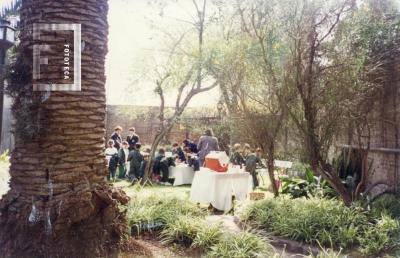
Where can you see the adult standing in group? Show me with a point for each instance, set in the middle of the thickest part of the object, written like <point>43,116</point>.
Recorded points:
<point>207,143</point>
<point>116,136</point>
<point>132,138</point>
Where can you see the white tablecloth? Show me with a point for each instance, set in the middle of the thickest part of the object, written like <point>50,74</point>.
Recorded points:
<point>183,174</point>
<point>218,188</point>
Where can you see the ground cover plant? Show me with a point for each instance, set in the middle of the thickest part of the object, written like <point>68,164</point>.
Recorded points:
<point>327,222</point>
<point>175,220</point>
<point>148,209</point>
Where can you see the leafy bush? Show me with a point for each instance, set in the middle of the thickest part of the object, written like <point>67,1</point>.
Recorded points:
<point>386,203</point>
<point>323,221</point>
<point>309,220</point>
<point>184,223</point>
<point>308,186</point>
<point>147,209</point>
<point>382,235</point>
<point>190,232</point>
<point>241,245</point>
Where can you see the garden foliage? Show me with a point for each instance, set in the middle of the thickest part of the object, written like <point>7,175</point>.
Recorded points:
<point>325,221</point>
<point>177,221</point>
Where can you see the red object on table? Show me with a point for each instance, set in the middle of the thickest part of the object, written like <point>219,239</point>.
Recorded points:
<point>214,164</point>
<point>217,161</point>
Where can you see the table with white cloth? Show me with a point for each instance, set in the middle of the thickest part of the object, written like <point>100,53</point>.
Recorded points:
<point>218,188</point>
<point>182,173</point>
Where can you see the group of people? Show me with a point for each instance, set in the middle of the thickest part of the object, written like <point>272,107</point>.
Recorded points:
<point>245,156</point>
<point>127,157</point>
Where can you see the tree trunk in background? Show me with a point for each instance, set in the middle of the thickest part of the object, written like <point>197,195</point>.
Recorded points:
<point>271,168</point>
<point>154,146</point>
<point>59,204</point>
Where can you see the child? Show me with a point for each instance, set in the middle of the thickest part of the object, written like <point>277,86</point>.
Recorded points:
<point>144,163</point>
<point>191,145</point>
<point>192,159</point>
<point>116,136</point>
<point>178,152</point>
<point>123,158</point>
<point>236,157</point>
<point>135,158</point>
<point>252,159</point>
<point>161,167</point>
<point>112,159</point>
<point>132,138</point>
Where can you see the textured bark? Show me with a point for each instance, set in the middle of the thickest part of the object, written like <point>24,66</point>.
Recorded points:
<point>271,168</point>
<point>59,204</point>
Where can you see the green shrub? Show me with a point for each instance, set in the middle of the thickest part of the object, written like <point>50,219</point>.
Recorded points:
<point>184,224</point>
<point>386,204</point>
<point>326,222</point>
<point>241,245</point>
<point>308,186</point>
<point>313,220</point>
<point>191,232</point>
<point>384,234</point>
<point>207,236</point>
<point>150,208</point>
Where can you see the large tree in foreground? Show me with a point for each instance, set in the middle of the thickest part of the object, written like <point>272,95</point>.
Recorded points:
<point>59,204</point>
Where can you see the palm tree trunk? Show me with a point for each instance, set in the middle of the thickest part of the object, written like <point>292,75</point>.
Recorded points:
<point>59,204</point>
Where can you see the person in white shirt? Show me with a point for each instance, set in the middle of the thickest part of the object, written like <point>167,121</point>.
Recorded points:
<point>112,159</point>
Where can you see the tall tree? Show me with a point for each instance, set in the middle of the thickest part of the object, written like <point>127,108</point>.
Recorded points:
<point>59,204</point>
<point>185,73</point>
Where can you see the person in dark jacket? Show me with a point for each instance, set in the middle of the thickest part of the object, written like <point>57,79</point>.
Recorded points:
<point>135,158</point>
<point>161,166</point>
<point>236,157</point>
<point>178,152</point>
<point>144,164</point>
<point>116,136</point>
<point>191,145</point>
<point>132,138</point>
<point>123,158</point>
<point>252,160</point>
<point>192,160</point>
<point>112,166</point>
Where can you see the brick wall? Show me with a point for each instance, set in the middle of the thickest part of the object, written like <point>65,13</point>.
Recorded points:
<point>386,130</point>
<point>144,119</point>
<point>384,156</point>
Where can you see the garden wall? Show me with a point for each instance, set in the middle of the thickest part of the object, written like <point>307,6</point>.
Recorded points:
<point>384,155</point>
<point>145,121</point>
